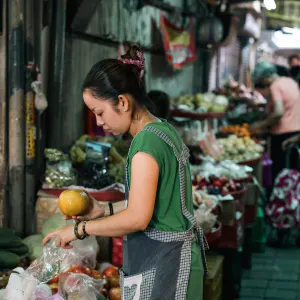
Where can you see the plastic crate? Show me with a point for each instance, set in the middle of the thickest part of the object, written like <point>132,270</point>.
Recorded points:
<point>213,284</point>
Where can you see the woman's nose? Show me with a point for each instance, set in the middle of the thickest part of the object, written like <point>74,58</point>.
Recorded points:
<point>99,122</point>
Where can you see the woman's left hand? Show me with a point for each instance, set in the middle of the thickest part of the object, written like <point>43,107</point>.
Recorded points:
<point>63,237</point>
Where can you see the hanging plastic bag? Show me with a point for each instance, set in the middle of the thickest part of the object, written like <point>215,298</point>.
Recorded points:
<point>59,171</point>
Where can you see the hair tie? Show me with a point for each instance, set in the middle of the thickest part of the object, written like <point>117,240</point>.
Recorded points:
<point>139,63</point>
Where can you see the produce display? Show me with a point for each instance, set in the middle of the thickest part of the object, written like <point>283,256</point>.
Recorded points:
<point>239,149</point>
<point>216,185</point>
<point>237,91</point>
<point>225,169</point>
<point>73,202</point>
<point>202,103</point>
<point>238,130</point>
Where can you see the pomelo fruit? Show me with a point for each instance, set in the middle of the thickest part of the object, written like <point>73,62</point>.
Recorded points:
<point>73,203</point>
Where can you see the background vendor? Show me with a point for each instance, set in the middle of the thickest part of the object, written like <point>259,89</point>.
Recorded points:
<point>284,110</point>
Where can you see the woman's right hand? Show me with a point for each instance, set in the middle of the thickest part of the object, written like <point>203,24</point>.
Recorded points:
<point>96,210</point>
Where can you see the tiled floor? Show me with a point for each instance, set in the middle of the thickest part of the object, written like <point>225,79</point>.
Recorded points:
<point>275,275</point>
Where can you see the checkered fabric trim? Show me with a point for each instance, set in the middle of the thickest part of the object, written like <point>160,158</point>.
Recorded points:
<point>182,158</point>
<point>169,236</point>
<point>147,284</point>
<point>128,293</point>
<point>184,270</point>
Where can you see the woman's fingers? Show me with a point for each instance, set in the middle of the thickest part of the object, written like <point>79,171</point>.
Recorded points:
<point>48,238</point>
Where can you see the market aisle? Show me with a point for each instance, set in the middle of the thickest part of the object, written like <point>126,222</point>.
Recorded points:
<point>275,275</point>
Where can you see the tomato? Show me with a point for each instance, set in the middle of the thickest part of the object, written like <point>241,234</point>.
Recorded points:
<point>115,294</point>
<point>111,271</point>
<point>96,275</point>
<point>114,281</point>
<point>54,288</point>
<point>54,280</point>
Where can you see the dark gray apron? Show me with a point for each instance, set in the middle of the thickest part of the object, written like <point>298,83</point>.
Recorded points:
<point>156,264</point>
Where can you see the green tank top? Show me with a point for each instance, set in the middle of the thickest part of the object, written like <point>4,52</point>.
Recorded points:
<point>167,214</point>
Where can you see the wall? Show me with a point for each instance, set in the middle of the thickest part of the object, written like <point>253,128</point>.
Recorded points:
<point>113,20</point>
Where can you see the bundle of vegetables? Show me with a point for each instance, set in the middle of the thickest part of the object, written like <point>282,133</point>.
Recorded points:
<point>59,171</point>
<point>12,249</point>
<point>77,151</point>
<point>239,149</point>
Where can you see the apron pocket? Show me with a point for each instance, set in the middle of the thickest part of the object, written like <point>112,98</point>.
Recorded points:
<point>137,287</point>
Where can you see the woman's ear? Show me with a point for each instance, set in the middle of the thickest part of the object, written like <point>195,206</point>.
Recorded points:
<point>124,103</point>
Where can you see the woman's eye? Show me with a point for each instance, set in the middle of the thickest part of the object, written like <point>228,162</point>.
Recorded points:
<point>100,114</point>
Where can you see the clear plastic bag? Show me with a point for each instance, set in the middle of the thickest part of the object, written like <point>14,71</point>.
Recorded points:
<point>79,286</point>
<point>29,284</point>
<point>56,260</point>
<point>59,171</point>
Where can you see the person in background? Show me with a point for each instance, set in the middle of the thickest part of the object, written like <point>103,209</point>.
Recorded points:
<point>294,63</point>
<point>161,101</point>
<point>284,107</point>
<point>294,60</point>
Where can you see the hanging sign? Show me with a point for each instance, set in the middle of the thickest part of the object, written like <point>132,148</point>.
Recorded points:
<point>179,43</point>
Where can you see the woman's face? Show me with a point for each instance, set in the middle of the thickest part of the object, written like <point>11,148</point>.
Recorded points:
<point>117,120</point>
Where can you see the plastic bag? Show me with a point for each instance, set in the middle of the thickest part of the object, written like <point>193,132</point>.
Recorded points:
<point>28,285</point>
<point>79,286</point>
<point>56,260</point>
<point>59,171</point>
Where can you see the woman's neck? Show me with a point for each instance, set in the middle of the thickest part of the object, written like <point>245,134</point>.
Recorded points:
<point>141,119</point>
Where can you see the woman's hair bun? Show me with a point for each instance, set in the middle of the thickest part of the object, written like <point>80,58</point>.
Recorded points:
<point>134,56</point>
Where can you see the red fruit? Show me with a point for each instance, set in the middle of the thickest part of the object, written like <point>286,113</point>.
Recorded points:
<point>96,275</point>
<point>114,281</point>
<point>111,271</point>
<point>54,288</point>
<point>53,280</point>
<point>115,294</point>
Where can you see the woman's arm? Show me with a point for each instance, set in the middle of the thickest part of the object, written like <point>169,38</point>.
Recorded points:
<point>278,109</point>
<point>143,187</point>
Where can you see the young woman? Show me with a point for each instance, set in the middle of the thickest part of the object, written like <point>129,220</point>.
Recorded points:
<point>163,247</point>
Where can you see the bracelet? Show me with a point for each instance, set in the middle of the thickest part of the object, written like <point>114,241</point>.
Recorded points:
<point>76,232</point>
<point>83,228</point>
<point>111,208</point>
